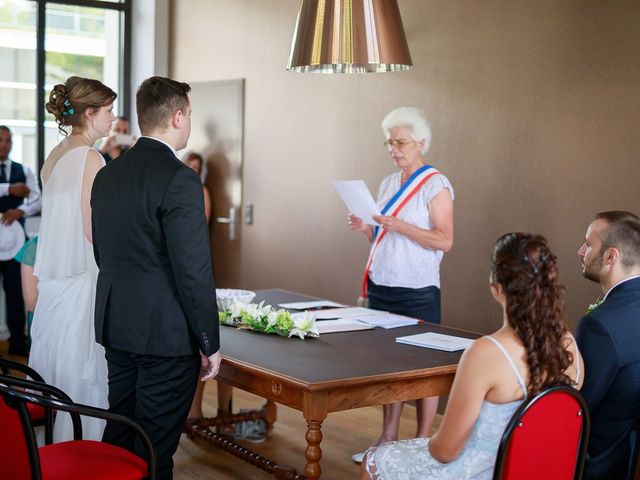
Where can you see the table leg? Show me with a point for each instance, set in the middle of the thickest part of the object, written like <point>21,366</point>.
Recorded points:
<point>313,453</point>
<point>270,414</point>
<point>315,411</point>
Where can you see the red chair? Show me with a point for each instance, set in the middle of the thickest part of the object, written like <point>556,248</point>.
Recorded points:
<point>21,458</point>
<point>39,416</point>
<point>546,438</point>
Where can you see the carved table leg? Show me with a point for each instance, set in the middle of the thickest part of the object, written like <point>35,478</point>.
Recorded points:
<point>313,453</point>
<point>315,411</point>
<point>270,414</point>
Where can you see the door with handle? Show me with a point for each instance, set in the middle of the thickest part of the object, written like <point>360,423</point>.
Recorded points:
<point>231,221</point>
<point>217,134</point>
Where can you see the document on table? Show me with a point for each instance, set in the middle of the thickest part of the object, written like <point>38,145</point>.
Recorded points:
<point>347,313</point>
<point>310,305</point>
<point>356,196</point>
<point>341,325</point>
<point>388,321</point>
<point>437,341</point>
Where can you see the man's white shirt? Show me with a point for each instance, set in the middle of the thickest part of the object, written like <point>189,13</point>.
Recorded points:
<point>33,203</point>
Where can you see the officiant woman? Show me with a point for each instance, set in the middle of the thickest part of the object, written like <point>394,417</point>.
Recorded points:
<point>415,229</point>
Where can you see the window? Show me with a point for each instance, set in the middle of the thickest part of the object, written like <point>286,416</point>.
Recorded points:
<point>42,42</point>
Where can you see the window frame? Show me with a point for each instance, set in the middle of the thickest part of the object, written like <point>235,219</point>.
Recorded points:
<point>124,89</point>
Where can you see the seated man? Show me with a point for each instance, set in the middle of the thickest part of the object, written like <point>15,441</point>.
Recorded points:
<point>609,338</point>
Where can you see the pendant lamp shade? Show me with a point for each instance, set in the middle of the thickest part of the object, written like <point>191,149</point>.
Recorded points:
<point>349,36</point>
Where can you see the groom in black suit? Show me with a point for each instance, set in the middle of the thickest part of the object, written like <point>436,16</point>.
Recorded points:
<point>609,340</point>
<point>155,300</point>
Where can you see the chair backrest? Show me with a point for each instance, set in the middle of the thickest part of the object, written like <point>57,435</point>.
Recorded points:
<point>18,450</point>
<point>546,438</point>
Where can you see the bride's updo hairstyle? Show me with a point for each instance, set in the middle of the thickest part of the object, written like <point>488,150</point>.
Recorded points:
<point>69,100</point>
<point>528,273</point>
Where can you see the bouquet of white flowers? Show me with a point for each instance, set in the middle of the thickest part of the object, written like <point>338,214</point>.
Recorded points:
<point>266,319</point>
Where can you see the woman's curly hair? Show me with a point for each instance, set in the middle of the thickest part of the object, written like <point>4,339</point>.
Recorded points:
<point>69,100</point>
<point>528,273</point>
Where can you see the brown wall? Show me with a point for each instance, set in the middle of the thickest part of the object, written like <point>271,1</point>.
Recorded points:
<point>534,108</point>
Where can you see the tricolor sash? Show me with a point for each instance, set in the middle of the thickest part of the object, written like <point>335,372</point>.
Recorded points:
<point>394,205</point>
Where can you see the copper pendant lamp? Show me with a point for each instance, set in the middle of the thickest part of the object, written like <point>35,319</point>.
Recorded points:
<point>349,36</point>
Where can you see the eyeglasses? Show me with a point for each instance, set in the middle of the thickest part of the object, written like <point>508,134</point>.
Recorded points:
<point>399,144</point>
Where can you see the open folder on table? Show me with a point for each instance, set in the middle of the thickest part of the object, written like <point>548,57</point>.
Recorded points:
<point>349,312</point>
<point>437,341</point>
<point>388,321</point>
<point>341,325</point>
<point>310,305</point>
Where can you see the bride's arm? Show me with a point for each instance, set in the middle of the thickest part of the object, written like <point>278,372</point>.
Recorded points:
<point>92,165</point>
<point>470,387</point>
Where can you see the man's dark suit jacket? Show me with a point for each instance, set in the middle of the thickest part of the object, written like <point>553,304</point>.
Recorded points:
<point>609,340</point>
<point>155,293</point>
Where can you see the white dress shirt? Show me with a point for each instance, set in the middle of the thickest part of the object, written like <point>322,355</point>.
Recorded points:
<point>33,202</point>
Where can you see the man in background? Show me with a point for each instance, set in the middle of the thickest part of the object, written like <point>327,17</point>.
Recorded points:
<point>19,198</point>
<point>609,338</point>
<point>118,141</point>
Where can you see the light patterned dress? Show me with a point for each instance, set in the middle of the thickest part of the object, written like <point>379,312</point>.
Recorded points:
<point>410,459</point>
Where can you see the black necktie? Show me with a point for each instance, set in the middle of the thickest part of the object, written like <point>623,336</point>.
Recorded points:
<point>3,172</point>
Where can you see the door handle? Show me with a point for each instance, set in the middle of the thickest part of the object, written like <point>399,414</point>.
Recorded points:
<point>231,221</point>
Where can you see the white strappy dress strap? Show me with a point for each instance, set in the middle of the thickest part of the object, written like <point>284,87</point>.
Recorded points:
<point>513,365</point>
<point>577,360</point>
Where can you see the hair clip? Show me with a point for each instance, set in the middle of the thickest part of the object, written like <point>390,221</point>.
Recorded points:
<point>67,110</point>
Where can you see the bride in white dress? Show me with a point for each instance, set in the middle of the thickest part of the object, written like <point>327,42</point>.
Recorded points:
<point>64,350</point>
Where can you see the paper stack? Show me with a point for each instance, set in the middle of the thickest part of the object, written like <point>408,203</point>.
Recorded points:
<point>347,313</point>
<point>341,325</point>
<point>388,321</point>
<point>437,341</point>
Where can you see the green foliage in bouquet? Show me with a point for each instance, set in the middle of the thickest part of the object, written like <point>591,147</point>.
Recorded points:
<point>266,319</point>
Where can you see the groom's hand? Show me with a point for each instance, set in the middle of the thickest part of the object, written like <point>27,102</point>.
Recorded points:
<point>209,366</point>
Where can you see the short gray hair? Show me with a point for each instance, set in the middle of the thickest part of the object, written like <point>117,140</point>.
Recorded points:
<point>412,118</point>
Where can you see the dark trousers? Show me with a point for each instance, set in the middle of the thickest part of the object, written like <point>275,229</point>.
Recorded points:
<point>157,393</point>
<point>12,284</point>
<point>422,303</point>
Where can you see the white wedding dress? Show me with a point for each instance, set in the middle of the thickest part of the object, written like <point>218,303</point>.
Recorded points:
<point>64,350</point>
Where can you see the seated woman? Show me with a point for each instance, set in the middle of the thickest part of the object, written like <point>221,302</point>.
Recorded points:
<point>531,351</point>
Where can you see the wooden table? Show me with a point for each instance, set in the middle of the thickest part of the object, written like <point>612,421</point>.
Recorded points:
<point>334,372</point>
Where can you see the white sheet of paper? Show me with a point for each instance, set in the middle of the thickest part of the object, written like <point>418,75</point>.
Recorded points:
<point>437,341</point>
<point>347,313</point>
<point>388,321</point>
<point>358,199</point>
<point>341,325</point>
<point>307,305</point>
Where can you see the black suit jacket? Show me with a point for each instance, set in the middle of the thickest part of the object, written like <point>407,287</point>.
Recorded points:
<point>609,340</point>
<point>155,292</point>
